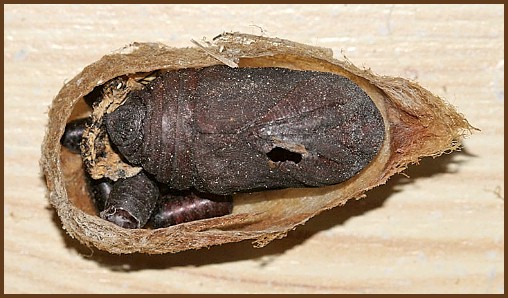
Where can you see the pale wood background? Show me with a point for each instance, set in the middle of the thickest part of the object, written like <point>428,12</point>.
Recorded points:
<point>439,231</point>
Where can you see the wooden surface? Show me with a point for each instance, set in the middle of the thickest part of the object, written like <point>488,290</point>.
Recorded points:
<point>441,230</point>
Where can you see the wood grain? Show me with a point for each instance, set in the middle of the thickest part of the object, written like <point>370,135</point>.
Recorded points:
<point>439,231</point>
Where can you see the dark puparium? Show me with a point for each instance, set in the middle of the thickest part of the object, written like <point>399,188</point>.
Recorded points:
<point>184,206</point>
<point>73,134</point>
<point>131,202</point>
<point>99,191</point>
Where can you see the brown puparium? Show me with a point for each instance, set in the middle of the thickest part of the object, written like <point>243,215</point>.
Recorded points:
<point>417,123</point>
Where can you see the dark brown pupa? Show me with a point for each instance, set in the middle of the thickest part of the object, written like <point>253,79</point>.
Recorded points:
<point>224,130</point>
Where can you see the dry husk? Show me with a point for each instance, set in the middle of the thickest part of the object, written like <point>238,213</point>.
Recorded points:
<point>417,122</point>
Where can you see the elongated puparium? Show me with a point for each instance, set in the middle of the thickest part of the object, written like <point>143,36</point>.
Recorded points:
<point>188,206</point>
<point>131,202</point>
